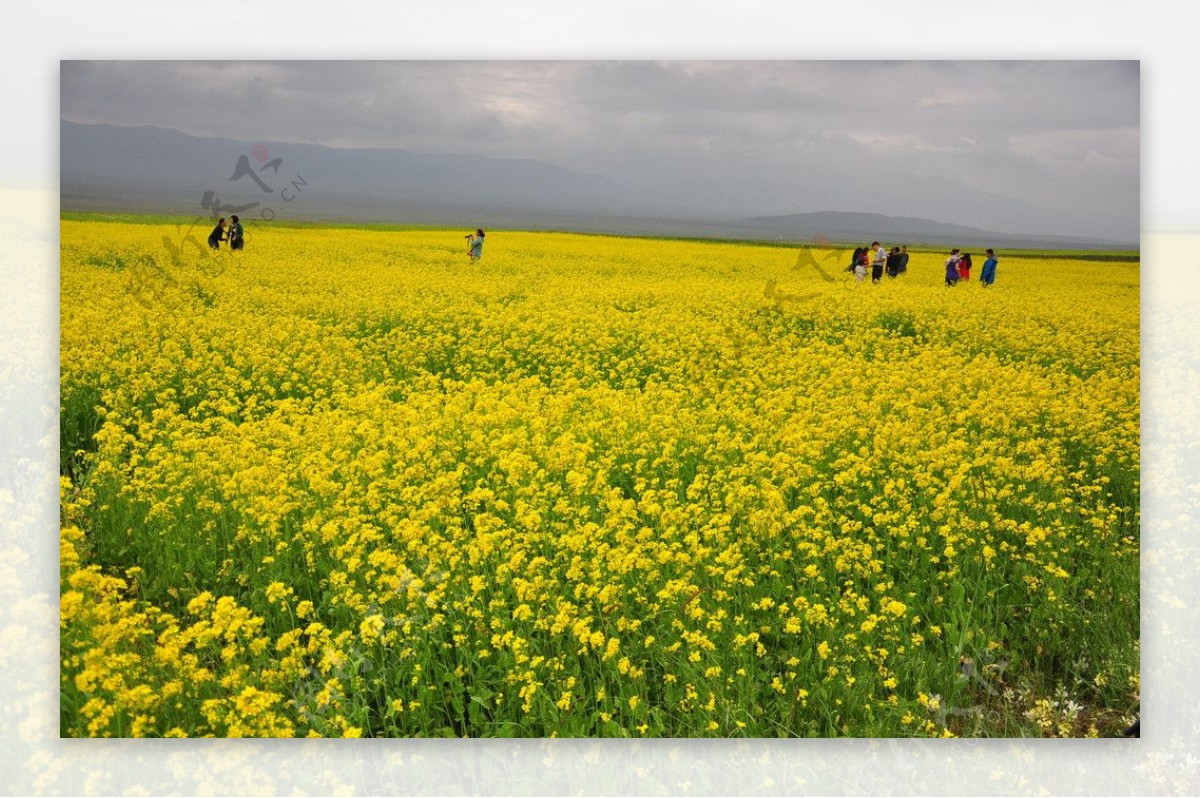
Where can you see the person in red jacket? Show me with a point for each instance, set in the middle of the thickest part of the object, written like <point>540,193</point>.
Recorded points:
<point>964,266</point>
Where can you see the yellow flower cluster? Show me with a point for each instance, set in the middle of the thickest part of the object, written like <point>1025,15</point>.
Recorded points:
<point>346,482</point>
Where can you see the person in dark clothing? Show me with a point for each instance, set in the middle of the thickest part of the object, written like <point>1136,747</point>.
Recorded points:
<point>893,262</point>
<point>903,259</point>
<point>217,235</point>
<point>952,267</point>
<point>236,239</point>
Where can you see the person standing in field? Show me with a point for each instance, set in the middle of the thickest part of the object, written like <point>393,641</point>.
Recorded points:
<point>964,266</point>
<point>860,264</point>
<point>236,234</point>
<point>988,275</point>
<point>878,259</point>
<point>893,262</point>
<point>217,235</point>
<point>903,260</point>
<point>475,245</point>
<point>952,267</point>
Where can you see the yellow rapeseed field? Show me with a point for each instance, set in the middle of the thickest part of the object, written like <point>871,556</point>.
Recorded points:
<point>348,483</point>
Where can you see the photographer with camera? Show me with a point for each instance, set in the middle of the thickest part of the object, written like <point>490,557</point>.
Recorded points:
<point>475,245</point>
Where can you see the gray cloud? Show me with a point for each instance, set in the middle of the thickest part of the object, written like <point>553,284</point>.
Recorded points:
<point>727,137</point>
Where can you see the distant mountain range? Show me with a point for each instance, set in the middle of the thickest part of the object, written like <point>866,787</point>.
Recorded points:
<point>98,158</point>
<point>849,226</point>
<point>156,170</point>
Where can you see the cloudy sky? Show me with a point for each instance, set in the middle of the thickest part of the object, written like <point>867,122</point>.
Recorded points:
<point>1017,146</point>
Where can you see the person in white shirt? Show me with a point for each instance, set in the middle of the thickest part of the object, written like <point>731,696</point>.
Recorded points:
<point>878,259</point>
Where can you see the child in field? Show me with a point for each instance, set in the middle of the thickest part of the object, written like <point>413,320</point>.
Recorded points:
<point>860,265</point>
<point>952,268</point>
<point>964,266</point>
<point>217,235</point>
<point>475,245</point>
<point>988,275</point>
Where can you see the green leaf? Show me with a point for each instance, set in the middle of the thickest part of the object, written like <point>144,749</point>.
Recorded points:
<point>957,594</point>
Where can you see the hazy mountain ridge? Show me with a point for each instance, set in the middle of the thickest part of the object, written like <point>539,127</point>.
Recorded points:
<point>98,154</point>
<point>150,169</point>
<point>850,225</point>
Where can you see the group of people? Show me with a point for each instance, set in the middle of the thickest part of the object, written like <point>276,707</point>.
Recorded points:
<point>895,263</point>
<point>234,235</point>
<point>958,267</point>
<point>880,261</point>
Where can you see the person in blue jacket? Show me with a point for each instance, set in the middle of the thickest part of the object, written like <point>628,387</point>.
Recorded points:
<point>988,275</point>
<point>475,245</point>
